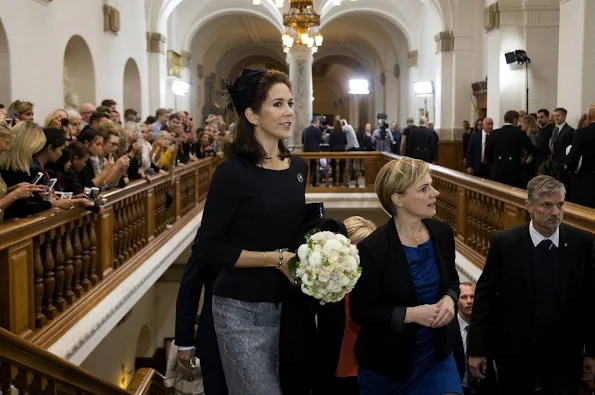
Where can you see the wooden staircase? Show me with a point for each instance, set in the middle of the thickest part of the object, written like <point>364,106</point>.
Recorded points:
<point>29,369</point>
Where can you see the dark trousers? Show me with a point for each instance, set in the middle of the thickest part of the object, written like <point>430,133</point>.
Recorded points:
<point>557,374</point>
<point>213,380</point>
<point>313,170</point>
<point>334,170</point>
<point>482,171</point>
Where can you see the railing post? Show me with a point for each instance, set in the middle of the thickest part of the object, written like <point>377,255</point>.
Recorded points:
<point>177,198</point>
<point>17,305</point>
<point>462,212</point>
<point>105,241</point>
<point>150,215</point>
<point>373,166</point>
<point>196,187</point>
<point>513,216</point>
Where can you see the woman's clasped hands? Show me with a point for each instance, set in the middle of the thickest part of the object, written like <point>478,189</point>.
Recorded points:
<point>434,315</point>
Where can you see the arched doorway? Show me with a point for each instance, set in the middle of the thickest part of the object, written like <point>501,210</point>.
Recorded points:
<point>79,74</point>
<point>132,93</point>
<point>5,81</point>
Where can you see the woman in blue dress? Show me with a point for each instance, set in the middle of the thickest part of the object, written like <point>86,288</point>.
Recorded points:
<point>406,295</point>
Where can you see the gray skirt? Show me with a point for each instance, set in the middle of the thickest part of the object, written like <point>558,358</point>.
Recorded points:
<point>248,337</point>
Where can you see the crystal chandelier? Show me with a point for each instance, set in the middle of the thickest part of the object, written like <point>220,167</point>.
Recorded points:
<point>303,22</point>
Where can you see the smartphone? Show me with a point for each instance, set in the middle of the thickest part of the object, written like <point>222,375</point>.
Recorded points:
<point>37,178</point>
<point>50,184</point>
<point>13,115</point>
<point>94,193</point>
<point>64,122</point>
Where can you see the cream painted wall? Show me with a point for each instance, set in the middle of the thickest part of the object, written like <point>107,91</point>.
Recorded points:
<point>119,347</point>
<point>37,41</point>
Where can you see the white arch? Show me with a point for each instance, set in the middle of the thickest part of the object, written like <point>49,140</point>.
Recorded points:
<point>132,86</point>
<point>79,72</point>
<point>6,81</point>
<point>274,14</point>
<point>227,11</point>
<point>384,14</point>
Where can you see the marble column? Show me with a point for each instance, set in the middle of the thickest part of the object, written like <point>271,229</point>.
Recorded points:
<point>392,92</point>
<point>525,28</point>
<point>576,57</point>
<point>300,73</point>
<point>157,70</point>
<point>453,82</point>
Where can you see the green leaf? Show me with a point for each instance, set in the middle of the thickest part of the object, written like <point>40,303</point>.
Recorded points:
<point>293,265</point>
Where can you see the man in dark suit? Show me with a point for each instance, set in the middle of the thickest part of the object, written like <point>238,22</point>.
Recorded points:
<point>503,150</point>
<point>477,160</point>
<point>311,139</point>
<point>195,276</point>
<point>466,137</point>
<point>583,145</point>
<point>562,136</point>
<point>545,134</point>
<point>419,142</point>
<point>458,330</point>
<point>533,308</point>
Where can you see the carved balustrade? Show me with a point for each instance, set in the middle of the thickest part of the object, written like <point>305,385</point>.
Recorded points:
<point>56,266</point>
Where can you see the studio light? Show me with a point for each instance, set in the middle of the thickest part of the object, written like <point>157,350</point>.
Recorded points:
<point>518,56</point>
<point>359,87</point>
<point>180,88</point>
<point>423,88</point>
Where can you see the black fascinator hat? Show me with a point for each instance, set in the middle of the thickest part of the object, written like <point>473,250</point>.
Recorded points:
<point>240,90</point>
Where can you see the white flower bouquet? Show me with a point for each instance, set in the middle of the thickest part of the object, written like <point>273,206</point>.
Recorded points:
<point>326,266</point>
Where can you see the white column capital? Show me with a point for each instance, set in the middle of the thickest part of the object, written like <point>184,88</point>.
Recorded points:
<point>299,52</point>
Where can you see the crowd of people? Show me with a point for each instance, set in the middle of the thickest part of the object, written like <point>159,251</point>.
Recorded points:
<point>74,156</point>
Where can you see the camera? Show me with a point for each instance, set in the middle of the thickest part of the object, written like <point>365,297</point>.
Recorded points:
<point>64,122</point>
<point>382,124</point>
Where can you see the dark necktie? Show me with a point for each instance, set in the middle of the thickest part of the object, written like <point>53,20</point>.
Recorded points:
<point>545,245</point>
<point>554,137</point>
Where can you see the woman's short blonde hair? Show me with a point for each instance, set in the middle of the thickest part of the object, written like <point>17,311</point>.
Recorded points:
<point>29,139</point>
<point>396,177</point>
<point>358,228</point>
<point>20,107</point>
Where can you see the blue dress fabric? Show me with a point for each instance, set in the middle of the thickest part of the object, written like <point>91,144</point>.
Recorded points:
<point>428,375</point>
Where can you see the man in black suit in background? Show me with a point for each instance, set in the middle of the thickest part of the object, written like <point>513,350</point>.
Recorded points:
<point>545,134</point>
<point>562,136</point>
<point>583,146</point>
<point>466,136</point>
<point>311,139</point>
<point>503,150</point>
<point>477,160</point>
<point>195,276</point>
<point>533,309</point>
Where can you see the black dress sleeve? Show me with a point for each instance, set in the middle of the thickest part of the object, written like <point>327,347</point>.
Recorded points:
<point>223,200</point>
<point>71,182</point>
<point>23,207</point>
<point>188,298</point>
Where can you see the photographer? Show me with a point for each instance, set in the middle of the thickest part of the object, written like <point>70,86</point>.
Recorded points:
<point>382,138</point>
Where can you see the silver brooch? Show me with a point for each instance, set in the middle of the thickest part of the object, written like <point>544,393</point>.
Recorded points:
<point>300,177</point>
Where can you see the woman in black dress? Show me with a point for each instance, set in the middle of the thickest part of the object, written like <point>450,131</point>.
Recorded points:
<point>253,212</point>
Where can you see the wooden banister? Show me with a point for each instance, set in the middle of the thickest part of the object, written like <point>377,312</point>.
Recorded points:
<point>57,265</point>
<point>32,370</point>
<point>147,381</point>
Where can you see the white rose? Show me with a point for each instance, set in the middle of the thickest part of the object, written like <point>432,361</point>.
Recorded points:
<point>333,245</point>
<point>315,259</point>
<point>324,277</point>
<point>303,252</point>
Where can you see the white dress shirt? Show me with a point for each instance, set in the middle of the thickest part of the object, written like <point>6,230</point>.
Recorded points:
<point>484,137</point>
<point>464,328</point>
<point>537,237</point>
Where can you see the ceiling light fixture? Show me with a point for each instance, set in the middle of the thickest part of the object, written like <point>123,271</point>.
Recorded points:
<point>301,23</point>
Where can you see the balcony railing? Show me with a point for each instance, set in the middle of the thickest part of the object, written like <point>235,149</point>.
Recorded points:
<point>474,207</point>
<point>56,266</point>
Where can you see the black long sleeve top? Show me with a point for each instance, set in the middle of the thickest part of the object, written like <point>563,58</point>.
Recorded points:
<point>255,209</point>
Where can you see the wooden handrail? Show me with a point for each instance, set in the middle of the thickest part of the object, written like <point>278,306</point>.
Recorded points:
<point>57,265</point>
<point>147,381</point>
<point>33,370</point>
<point>474,207</point>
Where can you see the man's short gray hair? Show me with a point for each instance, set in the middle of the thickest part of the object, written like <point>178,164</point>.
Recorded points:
<point>544,185</point>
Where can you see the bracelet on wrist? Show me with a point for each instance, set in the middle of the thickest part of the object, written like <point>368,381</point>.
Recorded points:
<point>280,259</point>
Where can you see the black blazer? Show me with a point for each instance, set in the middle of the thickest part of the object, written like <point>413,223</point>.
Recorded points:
<point>563,140</point>
<point>504,300</point>
<point>488,386</point>
<point>466,138</point>
<point>421,143</point>
<point>503,150</point>
<point>385,290</point>
<point>312,138</point>
<point>474,152</point>
<point>582,146</point>
<point>196,275</point>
